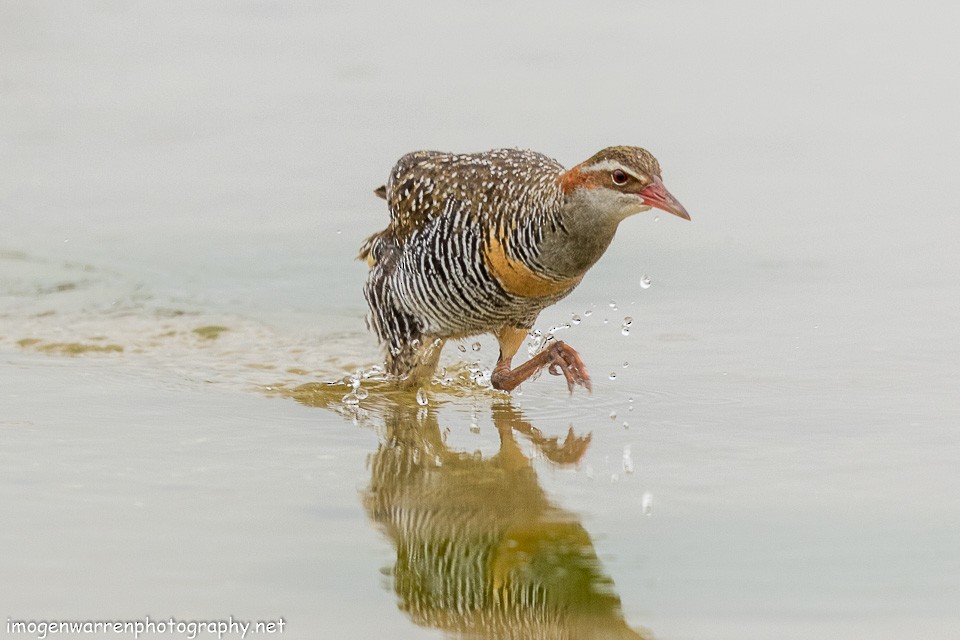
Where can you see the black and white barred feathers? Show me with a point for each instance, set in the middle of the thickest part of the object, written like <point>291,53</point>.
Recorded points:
<point>430,278</point>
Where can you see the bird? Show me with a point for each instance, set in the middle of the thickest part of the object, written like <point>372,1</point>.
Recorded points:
<point>481,243</point>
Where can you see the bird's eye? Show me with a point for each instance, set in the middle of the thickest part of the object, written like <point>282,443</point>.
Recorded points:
<point>619,177</point>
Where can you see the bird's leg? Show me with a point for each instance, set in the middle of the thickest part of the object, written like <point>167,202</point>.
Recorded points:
<point>559,357</point>
<point>415,362</point>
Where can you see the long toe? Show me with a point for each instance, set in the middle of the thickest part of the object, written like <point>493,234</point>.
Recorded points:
<point>567,362</point>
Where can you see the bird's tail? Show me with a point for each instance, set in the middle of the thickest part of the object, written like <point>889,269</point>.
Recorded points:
<point>366,250</point>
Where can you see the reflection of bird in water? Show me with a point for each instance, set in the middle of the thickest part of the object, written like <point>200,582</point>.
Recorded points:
<point>481,551</point>
<point>481,243</point>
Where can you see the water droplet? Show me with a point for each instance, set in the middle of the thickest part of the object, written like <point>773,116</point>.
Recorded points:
<point>627,459</point>
<point>646,503</point>
<point>613,305</point>
<point>575,319</point>
<point>475,346</point>
<point>474,428</point>
<point>462,348</point>
<point>627,321</point>
<point>625,331</point>
<point>630,408</point>
<point>613,375</point>
<point>351,398</point>
<point>626,364</point>
<point>588,312</point>
<point>645,282</point>
<point>626,425</point>
<point>339,231</point>
<point>656,218</point>
<point>421,397</point>
<point>361,393</point>
<point>613,415</point>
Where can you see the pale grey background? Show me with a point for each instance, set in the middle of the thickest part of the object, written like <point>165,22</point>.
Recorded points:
<point>794,362</point>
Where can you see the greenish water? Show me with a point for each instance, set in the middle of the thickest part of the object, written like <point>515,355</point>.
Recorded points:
<point>770,451</point>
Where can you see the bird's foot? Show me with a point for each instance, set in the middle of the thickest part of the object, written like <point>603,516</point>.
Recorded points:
<point>566,361</point>
<point>559,358</point>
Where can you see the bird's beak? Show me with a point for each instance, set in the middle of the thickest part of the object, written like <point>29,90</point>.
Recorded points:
<point>656,195</point>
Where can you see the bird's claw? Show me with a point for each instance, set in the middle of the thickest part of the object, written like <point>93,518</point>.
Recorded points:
<point>565,361</point>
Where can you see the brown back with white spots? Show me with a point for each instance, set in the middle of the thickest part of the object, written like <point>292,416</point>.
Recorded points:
<point>486,188</point>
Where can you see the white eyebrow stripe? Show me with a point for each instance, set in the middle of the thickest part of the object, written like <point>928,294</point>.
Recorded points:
<point>610,165</point>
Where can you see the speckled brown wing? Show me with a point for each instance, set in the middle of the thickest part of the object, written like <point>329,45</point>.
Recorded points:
<point>418,190</point>
<point>411,200</point>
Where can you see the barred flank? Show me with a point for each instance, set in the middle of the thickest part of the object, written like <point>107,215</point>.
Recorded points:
<point>429,279</point>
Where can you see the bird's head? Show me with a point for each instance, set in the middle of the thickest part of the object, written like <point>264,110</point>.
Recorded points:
<point>619,182</point>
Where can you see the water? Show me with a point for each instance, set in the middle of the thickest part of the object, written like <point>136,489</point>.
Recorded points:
<point>184,190</point>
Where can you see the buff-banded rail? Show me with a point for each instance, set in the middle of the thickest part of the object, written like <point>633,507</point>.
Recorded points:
<point>481,243</point>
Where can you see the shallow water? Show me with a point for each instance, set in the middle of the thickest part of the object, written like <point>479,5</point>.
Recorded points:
<point>770,452</point>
